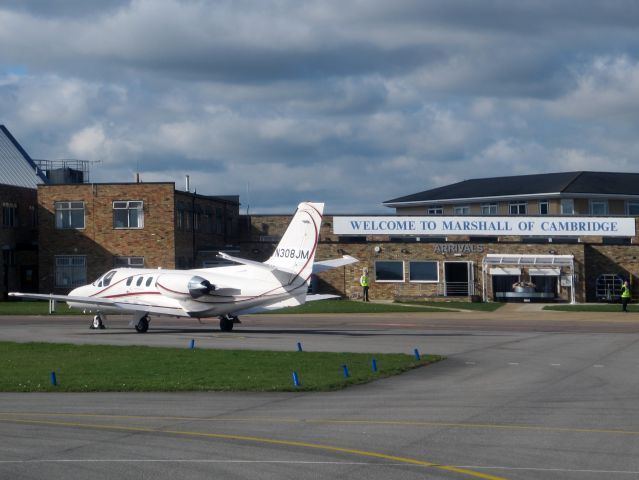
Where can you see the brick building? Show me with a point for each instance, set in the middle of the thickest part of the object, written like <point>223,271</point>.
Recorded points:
<point>19,177</point>
<point>86,229</point>
<point>578,242</point>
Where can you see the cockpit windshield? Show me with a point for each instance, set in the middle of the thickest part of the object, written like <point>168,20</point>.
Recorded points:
<point>105,280</point>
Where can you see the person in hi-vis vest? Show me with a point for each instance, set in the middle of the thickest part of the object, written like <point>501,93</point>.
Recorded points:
<point>363,281</point>
<point>625,296</point>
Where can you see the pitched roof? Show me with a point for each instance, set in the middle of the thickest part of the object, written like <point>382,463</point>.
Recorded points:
<point>564,184</point>
<point>16,167</point>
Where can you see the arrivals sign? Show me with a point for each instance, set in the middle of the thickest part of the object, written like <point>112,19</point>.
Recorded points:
<point>490,226</point>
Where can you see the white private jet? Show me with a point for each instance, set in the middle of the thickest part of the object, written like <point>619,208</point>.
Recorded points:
<point>251,286</point>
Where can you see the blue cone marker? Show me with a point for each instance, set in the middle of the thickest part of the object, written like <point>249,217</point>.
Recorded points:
<point>296,380</point>
<point>374,365</point>
<point>192,345</point>
<point>417,357</point>
<point>54,381</point>
<point>299,346</point>
<point>345,368</point>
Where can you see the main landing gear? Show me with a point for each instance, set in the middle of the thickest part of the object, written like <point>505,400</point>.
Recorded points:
<point>98,322</point>
<point>227,322</point>
<point>143,324</point>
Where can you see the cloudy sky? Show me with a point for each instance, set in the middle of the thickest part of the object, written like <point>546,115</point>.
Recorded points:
<point>347,102</point>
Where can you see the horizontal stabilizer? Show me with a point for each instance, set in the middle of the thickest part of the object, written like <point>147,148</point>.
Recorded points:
<point>253,263</point>
<point>324,265</point>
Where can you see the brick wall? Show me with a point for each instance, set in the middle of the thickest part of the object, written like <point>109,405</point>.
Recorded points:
<point>99,240</point>
<point>18,243</point>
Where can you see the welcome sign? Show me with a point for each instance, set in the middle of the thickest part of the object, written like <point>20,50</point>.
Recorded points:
<point>489,226</point>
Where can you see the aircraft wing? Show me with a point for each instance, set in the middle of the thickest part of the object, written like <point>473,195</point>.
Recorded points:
<point>65,298</point>
<point>102,302</point>
<point>324,265</point>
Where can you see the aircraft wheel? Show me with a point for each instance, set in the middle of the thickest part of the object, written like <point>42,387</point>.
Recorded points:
<point>143,325</point>
<point>97,323</point>
<point>226,324</point>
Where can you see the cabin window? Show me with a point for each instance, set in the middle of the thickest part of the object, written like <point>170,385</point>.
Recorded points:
<point>107,278</point>
<point>148,281</point>
<point>129,281</point>
<point>139,282</point>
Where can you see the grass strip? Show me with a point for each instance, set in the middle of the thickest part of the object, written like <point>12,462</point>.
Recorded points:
<point>26,367</point>
<point>22,307</point>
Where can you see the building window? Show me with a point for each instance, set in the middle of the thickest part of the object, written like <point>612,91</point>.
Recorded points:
<point>489,209</point>
<point>70,271</point>
<point>69,215</point>
<point>461,210</point>
<point>567,206</point>
<point>389,271</point>
<point>128,214</point>
<point>33,217</point>
<point>179,216</point>
<point>543,207</point>
<point>632,209</point>
<point>129,262</point>
<point>219,224</point>
<point>518,208</point>
<point>423,271</point>
<point>598,207</point>
<point>435,210</point>
<point>9,214</point>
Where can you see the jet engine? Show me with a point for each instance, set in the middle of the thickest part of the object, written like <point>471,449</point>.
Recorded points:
<point>181,286</point>
<point>199,286</point>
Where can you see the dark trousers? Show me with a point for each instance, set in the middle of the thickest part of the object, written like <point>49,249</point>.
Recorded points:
<point>365,294</point>
<point>624,303</point>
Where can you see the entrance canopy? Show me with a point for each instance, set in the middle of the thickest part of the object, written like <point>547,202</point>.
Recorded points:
<point>547,265</point>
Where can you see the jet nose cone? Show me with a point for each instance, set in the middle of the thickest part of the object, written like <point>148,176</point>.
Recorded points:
<point>78,292</point>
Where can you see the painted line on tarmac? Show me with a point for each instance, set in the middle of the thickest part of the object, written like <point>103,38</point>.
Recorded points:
<point>328,421</point>
<point>270,441</point>
<point>301,462</point>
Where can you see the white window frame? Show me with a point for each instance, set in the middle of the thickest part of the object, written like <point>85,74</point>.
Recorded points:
<point>488,208</point>
<point>593,203</point>
<point>391,281</point>
<point>629,204</point>
<point>518,206</point>
<point>567,206</point>
<point>64,215</point>
<point>130,206</point>
<point>547,204</point>
<point>435,210</point>
<point>461,210</point>
<point>70,271</point>
<point>134,261</point>
<point>410,262</point>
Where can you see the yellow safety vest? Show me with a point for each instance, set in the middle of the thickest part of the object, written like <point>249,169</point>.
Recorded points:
<point>363,281</point>
<point>625,292</point>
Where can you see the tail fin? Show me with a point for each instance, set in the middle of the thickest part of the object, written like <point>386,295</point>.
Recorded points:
<point>296,251</point>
